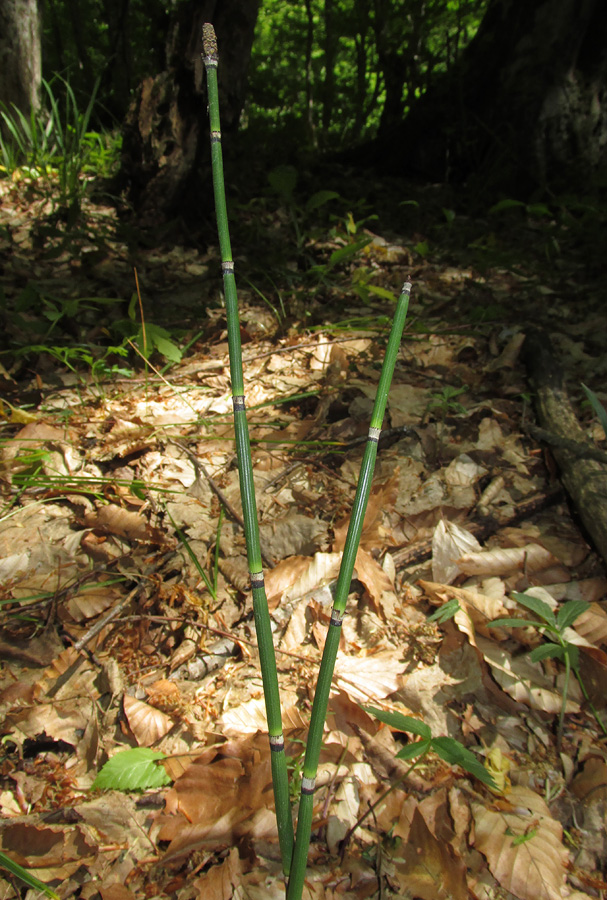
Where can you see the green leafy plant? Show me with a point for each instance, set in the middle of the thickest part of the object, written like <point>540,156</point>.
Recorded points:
<point>553,625</point>
<point>54,143</point>
<point>448,749</point>
<point>445,401</point>
<point>132,770</point>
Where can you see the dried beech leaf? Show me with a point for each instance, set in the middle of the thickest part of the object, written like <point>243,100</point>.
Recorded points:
<point>523,846</point>
<point>147,724</point>
<point>525,682</point>
<point>112,519</point>
<point>450,543</point>
<point>501,561</point>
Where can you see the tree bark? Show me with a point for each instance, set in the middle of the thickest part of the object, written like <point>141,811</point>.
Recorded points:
<point>20,54</point>
<point>165,137</point>
<point>525,105</point>
<point>583,477</point>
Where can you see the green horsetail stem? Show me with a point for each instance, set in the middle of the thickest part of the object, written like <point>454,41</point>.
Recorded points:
<point>342,589</point>
<point>280,780</point>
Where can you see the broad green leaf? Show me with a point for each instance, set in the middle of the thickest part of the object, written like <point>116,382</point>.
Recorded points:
<point>569,612</point>
<point>505,204</point>
<point>547,651</point>
<point>168,349</point>
<point>348,251</point>
<point>538,209</point>
<point>597,406</point>
<point>132,770</point>
<point>539,607</point>
<point>382,292</point>
<point>320,198</point>
<point>417,748</point>
<point>514,623</point>
<point>454,753</point>
<point>423,248</point>
<point>400,722</point>
<point>15,869</point>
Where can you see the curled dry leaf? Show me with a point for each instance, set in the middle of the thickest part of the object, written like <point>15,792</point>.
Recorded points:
<point>522,844</point>
<point>525,681</point>
<point>147,724</point>
<point>450,543</point>
<point>112,519</point>
<point>501,561</point>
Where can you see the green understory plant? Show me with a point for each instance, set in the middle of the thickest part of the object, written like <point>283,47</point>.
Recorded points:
<point>294,855</point>
<point>553,624</point>
<point>53,143</point>
<point>448,749</point>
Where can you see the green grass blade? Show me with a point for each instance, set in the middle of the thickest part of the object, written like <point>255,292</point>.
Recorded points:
<point>19,872</point>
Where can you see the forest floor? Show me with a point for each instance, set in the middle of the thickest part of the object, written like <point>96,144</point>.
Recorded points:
<point>124,610</point>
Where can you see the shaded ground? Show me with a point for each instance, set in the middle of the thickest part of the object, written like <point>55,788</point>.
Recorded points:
<point>112,638</point>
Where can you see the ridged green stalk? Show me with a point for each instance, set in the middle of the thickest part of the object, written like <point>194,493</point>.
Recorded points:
<point>327,666</point>
<point>245,468</point>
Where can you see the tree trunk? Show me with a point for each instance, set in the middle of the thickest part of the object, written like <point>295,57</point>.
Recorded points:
<point>165,137</point>
<point>20,54</point>
<point>525,106</point>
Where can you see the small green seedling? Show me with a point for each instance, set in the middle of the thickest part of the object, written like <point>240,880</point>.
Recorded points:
<point>553,625</point>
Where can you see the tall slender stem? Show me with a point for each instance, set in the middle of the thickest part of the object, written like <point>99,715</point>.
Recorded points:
<point>263,629</point>
<point>323,687</point>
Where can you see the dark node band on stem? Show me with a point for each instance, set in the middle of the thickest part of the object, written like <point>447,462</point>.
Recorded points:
<point>277,743</point>
<point>374,434</point>
<point>337,618</point>
<point>308,785</point>
<point>256,579</point>
<point>238,403</point>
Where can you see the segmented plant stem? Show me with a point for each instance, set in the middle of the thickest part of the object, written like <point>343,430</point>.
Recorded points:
<point>323,687</point>
<point>245,468</point>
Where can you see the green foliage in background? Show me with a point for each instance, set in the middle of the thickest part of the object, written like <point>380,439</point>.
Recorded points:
<point>326,72</point>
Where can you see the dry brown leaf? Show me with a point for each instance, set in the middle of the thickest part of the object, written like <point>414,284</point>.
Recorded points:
<point>478,609</point>
<point>501,561</point>
<point>525,681</point>
<point>321,569</point>
<point>116,892</point>
<point>533,869</point>
<point>250,717</point>
<point>449,543</point>
<point>90,602</point>
<point>368,678</point>
<point>430,868</point>
<point>377,582</point>
<point>374,535</point>
<point>592,625</point>
<point>218,793</point>
<point>221,882</point>
<point>147,724</point>
<point>112,519</point>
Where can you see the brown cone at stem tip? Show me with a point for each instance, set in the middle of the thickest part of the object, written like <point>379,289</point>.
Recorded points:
<point>209,41</point>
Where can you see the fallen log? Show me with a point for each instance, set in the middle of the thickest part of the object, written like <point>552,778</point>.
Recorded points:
<point>583,476</point>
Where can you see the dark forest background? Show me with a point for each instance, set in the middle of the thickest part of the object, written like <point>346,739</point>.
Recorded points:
<point>505,95</point>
